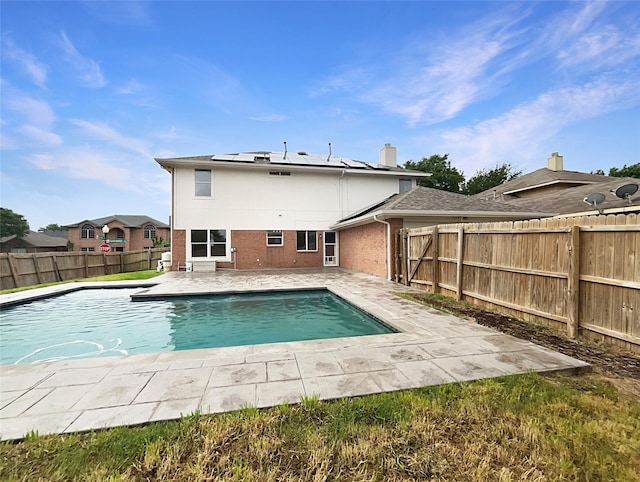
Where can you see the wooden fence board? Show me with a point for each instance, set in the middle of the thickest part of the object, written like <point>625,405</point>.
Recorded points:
<point>584,279</point>
<point>25,269</point>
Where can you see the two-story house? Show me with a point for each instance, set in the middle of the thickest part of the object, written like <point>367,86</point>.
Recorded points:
<point>272,209</point>
<point>124,233</point>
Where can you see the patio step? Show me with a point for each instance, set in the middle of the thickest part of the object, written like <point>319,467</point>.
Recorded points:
<point>204,266</point>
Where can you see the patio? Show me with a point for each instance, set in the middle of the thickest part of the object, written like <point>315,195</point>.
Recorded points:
<point>432,348</point>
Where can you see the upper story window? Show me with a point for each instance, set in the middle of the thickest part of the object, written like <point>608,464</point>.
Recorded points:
<point>274,238</point>
<point>203,182</point>
<point>117,233</point>
<point>149,231</point>
<point>404,185</point>
<point>88,231</point>
<point>307,241</point>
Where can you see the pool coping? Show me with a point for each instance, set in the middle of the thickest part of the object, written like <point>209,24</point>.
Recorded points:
<point>432,348</point>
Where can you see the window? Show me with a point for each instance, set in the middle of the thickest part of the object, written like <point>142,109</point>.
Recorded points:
<point>208,243</point>
<point>118,249</point>
<point>149,231</point>
<point>274,238</point>
<point>88,250</point>
<point>306,241</point>
<point>203,182</point>
<point>117,233</point>
<point>404,185</point>
<point>87,231</point>
<point>218,240</point>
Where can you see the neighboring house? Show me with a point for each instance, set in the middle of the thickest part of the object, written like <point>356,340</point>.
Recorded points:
<point>368,237</point>
<point>32,242</point>
<point>558,192</point>
<point>126,233</point>
<point>272,209</point>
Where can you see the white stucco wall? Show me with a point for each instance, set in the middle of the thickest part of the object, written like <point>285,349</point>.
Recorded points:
<point>253,199</point>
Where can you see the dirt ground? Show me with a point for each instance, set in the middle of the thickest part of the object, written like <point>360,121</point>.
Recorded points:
<point>619,367</point>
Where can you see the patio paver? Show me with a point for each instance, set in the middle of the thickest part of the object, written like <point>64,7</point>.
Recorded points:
<point>430,348</point>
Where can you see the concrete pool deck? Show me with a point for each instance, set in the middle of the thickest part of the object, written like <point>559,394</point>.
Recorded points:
<point>433,348</point>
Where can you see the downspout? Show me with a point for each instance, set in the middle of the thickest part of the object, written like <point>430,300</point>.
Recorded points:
<point>375,218</point>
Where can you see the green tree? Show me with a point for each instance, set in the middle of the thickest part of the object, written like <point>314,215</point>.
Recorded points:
<point>443,175</point>
<point>487,178</point>
<point>12,223</point>
<point>160,242</point>
<point>52,227</point>
<point>626,171</point>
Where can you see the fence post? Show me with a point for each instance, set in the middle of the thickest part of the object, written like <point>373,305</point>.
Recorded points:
<point>436,267</point>
<point>459,267</point>
<point>573,283</point>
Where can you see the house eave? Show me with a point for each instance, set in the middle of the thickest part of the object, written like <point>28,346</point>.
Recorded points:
<point>269,166</point>
<point>467,215</point>
<point>547,184</point>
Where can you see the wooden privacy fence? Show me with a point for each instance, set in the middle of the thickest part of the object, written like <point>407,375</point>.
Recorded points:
<point>578,274</point>
<point>18,270</point>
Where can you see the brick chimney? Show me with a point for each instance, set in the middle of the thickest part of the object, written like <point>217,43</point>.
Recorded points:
<point>388,156</point>
<point>554,163</point>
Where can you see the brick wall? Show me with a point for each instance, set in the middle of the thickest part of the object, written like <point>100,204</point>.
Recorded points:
<point>364,248</point>
<point>252,251</point>
<point>134,236</point>
<point>178,248</point>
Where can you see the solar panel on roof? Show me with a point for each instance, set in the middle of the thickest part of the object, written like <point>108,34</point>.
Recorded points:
<point>352,163</point>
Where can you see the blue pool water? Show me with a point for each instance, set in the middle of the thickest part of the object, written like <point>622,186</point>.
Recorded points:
<point>105,322</point>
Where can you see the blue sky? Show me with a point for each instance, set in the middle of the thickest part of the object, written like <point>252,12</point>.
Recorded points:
<point>93,91</point>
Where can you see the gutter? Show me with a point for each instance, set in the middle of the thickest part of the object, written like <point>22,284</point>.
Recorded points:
<point>375,218</point>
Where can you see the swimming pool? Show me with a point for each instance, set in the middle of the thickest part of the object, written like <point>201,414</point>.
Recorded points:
<point>105,322</point>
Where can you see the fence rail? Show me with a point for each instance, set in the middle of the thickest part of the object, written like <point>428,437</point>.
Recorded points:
<point>578,274</point>
<point>19,270</point>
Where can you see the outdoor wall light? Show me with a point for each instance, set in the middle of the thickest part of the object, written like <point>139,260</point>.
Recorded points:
<point>105,230</point>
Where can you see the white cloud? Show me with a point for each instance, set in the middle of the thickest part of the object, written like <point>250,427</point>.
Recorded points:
<point>132,87</point>
<point>519,133</point>
<point>33,119</point>
<point>32,111</point>
<point>87,69</point>
<point>26,62</point>
<point>41,136</point>
<point>103,132</point>
<point>269,118</point>
<point>85,163</point>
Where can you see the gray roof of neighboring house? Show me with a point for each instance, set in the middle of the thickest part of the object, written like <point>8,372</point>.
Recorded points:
<point>130,221</point>
<point>37,239</point>
<point>297,159</point>
<point>571,200</point>
<point>425,201</point>
<point>543,177</point>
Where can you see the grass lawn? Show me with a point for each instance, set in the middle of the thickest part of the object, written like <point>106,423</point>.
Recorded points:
<point>525,427</point>
<point>134,275</point>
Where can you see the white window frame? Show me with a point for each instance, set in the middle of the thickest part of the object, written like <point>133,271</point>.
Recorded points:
<point>209,243</point>
<point>148,230</point>
<point>90,249</point>
<point>202,183</point>
<point>277,236</point>
<point>89,230</point>
<point>306,241</point>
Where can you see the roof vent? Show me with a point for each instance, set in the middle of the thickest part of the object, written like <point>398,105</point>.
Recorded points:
<point>302,153</point>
